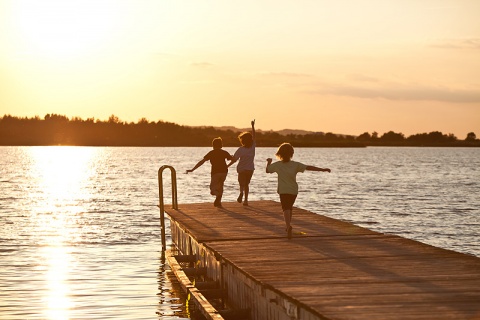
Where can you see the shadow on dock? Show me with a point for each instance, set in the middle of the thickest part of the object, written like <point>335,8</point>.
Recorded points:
<point>330,269</point>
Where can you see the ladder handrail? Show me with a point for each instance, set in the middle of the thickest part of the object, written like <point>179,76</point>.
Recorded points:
<point>161,204</point>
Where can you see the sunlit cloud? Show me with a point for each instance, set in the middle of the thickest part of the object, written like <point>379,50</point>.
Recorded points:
<point>366,86</point>
<point>404,93</point>
<point>471,43</point>
<point>285,75</point>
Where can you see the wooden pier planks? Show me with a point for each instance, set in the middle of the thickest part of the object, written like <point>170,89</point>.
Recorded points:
<point>262,219</point>
<point>336,269</point>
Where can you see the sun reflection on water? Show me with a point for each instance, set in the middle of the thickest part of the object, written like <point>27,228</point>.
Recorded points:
<point>58,302</point>
<point>61,175</point>
<point>62,172</point>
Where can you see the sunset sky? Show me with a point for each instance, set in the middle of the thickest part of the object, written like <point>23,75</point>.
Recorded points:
<point>410,66</point>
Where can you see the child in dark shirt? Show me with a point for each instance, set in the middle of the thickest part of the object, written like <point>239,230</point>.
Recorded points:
<point>219,170</point>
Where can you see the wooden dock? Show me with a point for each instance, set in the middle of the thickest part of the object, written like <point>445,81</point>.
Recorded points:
<point>330,269</point>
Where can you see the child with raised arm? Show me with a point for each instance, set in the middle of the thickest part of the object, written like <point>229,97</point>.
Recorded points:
<point>219,170</point>
<point>287,170</point>
<point>245,167</point>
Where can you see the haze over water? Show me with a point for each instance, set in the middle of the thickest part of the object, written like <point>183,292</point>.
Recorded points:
<point>80,236</point>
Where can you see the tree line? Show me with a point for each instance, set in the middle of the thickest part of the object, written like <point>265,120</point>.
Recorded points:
<point>56,129</point>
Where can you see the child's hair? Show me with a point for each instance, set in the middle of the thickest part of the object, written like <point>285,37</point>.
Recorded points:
<point>285,152</point>
<point>246,139</point>
<point>217,143</point>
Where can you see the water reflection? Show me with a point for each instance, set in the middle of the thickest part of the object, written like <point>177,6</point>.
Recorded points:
<point>59,176</point>
<point>58,301</point>
<point>62,174</point>
<point>173,302</point>
<point>80,232</point>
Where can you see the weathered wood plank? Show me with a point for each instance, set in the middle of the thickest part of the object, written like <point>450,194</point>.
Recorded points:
<point>332,268</point>
<point>262,219</point>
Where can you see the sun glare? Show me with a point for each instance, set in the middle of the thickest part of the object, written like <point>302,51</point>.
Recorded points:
<point>63,29</point>
<point>59,178</point>
<point>58,302</point>
<point>62,171</point>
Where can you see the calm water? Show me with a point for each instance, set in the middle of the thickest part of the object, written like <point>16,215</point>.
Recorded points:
<point>80,237</point>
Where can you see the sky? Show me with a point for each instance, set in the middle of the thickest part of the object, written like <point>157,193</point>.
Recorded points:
<point>349,67</point>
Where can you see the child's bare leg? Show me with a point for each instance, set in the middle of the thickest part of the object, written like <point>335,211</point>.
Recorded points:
<point>240,196</point>
<point>287,215</point>
<point>213,190</point>
<point>247,189</point>
<point>220,180</point>
<point>242,189</point>
<point>218,200</point>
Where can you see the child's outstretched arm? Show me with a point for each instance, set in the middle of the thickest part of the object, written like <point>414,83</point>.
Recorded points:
<point>313,168</point>
<point>196,166</point>
<point>231,162</point>
<point>253,128</point>
<point>269,162</point>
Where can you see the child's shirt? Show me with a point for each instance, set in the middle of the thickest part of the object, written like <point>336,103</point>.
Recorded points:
<point>287,175</point>
<point>246,156</point>
<point>217,159</point>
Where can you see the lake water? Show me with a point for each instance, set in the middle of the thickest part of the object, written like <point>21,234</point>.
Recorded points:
<point>80,236</point>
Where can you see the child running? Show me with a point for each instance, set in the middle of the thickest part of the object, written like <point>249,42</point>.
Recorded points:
<point>287,170</point>
<point>219,169</point>
<point>245,167</point>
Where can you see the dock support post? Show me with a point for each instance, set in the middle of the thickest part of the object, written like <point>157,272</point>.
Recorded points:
<point>161,204</point>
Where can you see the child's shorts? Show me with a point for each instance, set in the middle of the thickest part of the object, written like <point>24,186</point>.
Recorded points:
<point>287,201</point>
<point>244,177</point>
<point>216,183</point>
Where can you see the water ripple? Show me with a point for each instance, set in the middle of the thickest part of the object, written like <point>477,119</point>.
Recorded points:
<point>85,233</point>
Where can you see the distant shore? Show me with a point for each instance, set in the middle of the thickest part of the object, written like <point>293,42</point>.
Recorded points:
<point>60,130</point>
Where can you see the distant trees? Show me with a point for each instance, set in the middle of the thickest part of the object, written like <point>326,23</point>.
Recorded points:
<point>319,139</point>
<point>392,138</point>
<point>434,138</point>
<point>364,137</point>
<point>471,137</point>
<point>56,129</point>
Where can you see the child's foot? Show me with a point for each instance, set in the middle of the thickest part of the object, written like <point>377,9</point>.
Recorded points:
<point>245,203</point>
<point>289,232</point>
<point>217,204</point>
<point>240,197</point>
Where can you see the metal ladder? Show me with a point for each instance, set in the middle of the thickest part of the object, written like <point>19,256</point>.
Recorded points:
<point>161,204</point>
